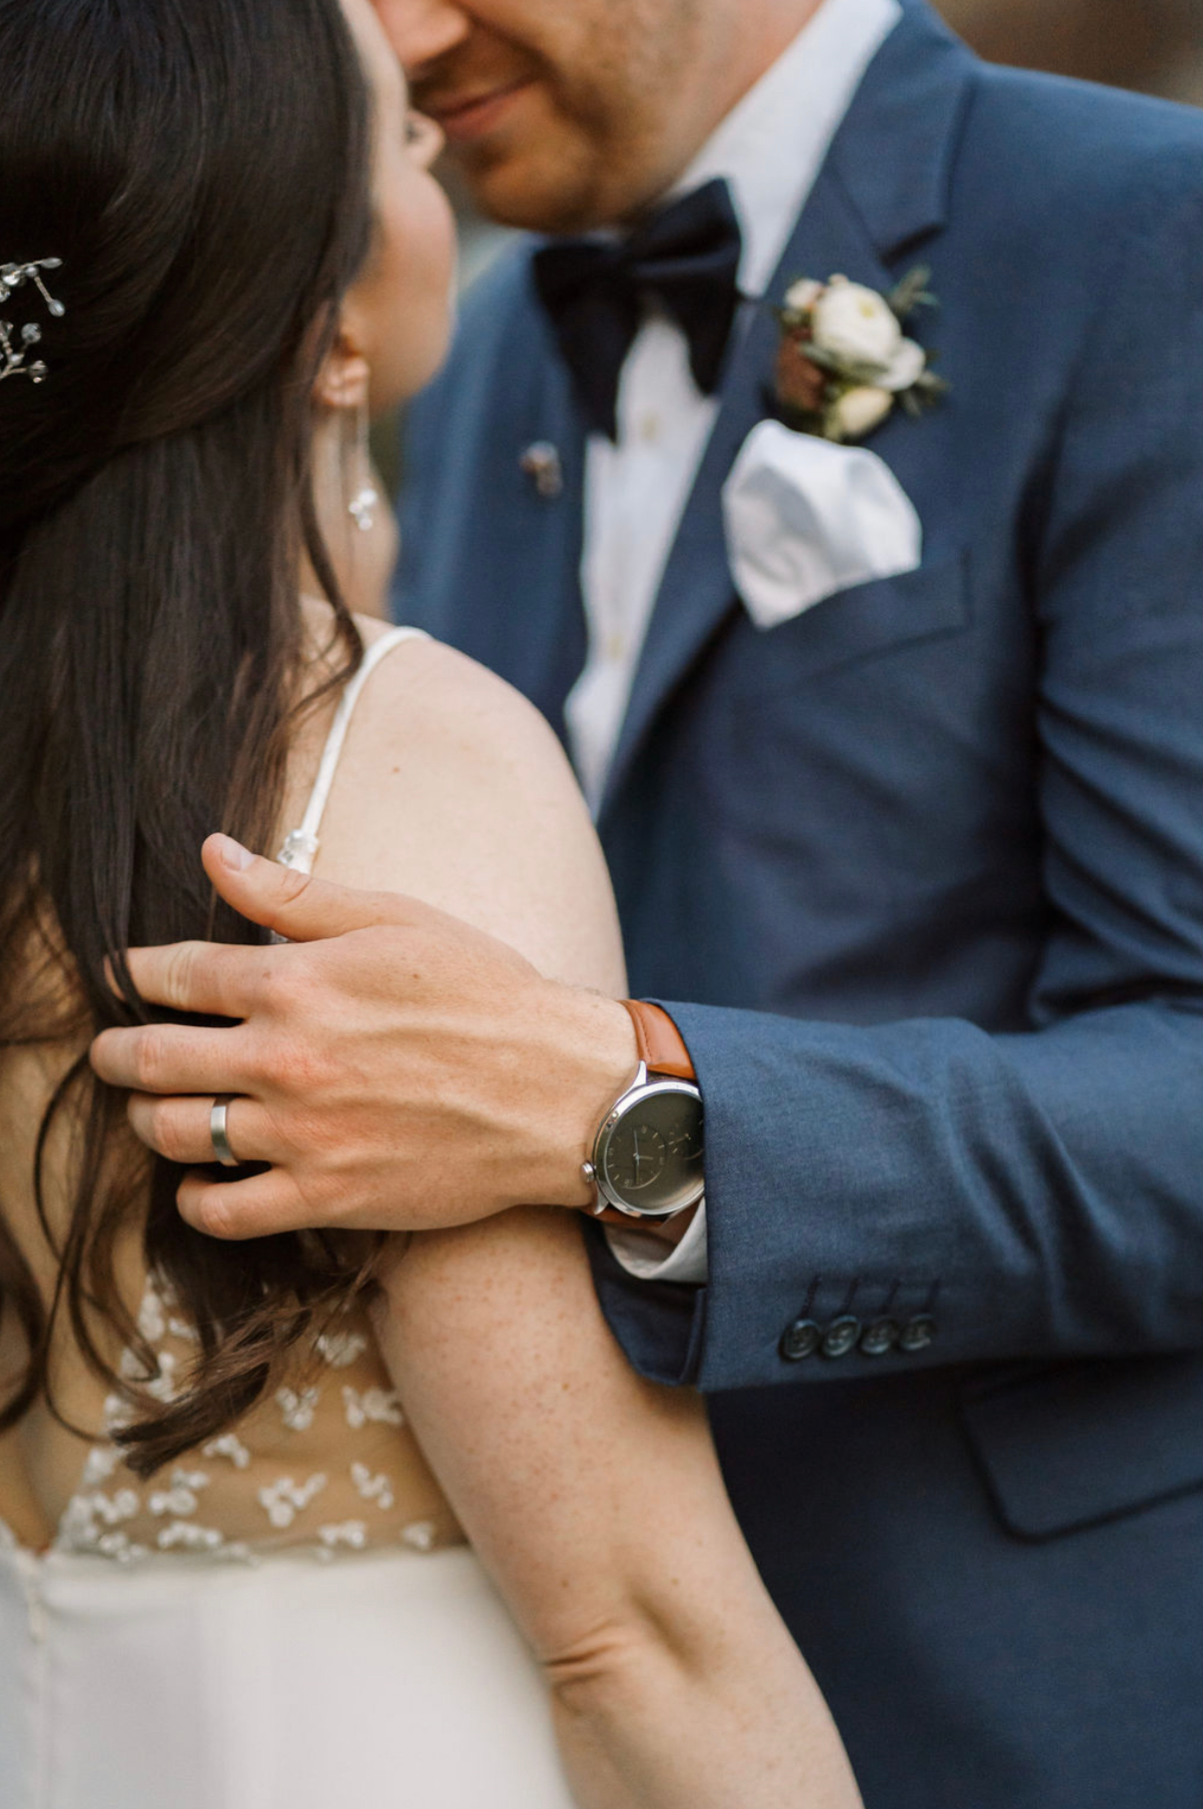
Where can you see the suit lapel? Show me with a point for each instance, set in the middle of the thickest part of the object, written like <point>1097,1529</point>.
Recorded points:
<point>883,188</point>
<point>547,533</point>
<point>696,594</point>
<point>535,537</point>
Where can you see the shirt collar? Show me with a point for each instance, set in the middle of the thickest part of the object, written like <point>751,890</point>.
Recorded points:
<point>773,143</point>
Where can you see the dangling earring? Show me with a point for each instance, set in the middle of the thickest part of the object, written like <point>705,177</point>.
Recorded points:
<point>362,506</point>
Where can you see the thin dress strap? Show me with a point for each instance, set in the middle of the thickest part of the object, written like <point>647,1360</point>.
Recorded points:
<point>301,845</point>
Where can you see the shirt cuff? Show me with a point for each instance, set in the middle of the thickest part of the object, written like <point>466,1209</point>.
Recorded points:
<point>643,1255</point>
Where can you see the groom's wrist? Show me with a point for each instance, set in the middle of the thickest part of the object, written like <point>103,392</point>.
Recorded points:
<point>595,1061</point>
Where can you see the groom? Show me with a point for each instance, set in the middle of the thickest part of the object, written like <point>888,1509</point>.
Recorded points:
<point>897,753</point>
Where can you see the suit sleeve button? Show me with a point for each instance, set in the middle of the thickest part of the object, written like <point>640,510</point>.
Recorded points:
<point>917,1334</point>
<point>841,1336</point>
<point>801,1339</point>
<point>879,1338</point>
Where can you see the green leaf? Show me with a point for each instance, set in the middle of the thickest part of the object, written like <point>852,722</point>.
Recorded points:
<point>912,293</point>
<point>933,385</point>
<point>825,362</point>
<point>844,370</point>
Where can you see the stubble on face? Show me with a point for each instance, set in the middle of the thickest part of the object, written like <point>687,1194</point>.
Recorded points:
<point>608,102</point>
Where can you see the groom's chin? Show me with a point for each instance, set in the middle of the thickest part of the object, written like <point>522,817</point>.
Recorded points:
<point>543,179</point>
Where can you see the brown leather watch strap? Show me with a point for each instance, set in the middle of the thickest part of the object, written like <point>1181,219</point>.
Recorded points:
<point>660,1043</point>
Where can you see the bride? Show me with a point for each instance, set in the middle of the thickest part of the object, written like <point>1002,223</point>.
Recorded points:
<point>229,1578</point>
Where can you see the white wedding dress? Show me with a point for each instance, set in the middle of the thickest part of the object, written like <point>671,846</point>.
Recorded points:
<point>287,1619</point>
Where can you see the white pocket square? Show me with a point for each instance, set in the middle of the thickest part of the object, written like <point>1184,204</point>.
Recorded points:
<point>806,518</point>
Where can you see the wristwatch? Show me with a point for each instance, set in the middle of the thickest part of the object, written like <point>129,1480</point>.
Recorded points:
<point>648,1154</point>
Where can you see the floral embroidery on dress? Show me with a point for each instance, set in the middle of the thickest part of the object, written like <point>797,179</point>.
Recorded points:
<point>102,1461</point>
<point>340,1349</point>
<point>93,1520</point>
<point>121,1547</point>
<point>162,1385</point>
<point>190,1536</point>
<point>377,1404</point>
<point>183,1495</point>
<point>373,1488</point>
<point>420,1534</point>
<point>351,1533</point>
<point>118,1414</point>
<point>152,1316</point>
<point>297,1407</point>
<point>108,1510</point>
<point>231,1446</point>
<point>285,1499</point>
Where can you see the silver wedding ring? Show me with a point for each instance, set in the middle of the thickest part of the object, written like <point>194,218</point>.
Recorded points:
<point>219,1133</point>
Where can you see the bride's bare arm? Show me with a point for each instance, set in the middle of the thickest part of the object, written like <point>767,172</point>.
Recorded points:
<point>594,1499</point>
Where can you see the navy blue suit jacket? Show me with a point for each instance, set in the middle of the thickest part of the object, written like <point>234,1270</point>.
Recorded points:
<point>920,876</point>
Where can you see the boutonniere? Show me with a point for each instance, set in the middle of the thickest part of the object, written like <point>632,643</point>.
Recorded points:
<point>844,360</point>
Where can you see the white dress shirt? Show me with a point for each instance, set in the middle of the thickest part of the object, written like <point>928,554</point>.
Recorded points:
<point>770,148</point>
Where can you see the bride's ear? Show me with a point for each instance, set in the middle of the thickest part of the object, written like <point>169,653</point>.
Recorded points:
<point>344,378</point>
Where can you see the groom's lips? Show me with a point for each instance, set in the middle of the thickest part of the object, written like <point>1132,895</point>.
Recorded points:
<point>472,117</point>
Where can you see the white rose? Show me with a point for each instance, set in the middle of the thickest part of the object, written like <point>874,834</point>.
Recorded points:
<point>905,368</point>
<point>801,297</point>
<point>856,326</point>
<point>858,412</point>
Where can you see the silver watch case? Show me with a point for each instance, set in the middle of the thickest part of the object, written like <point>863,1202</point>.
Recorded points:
<point>642,1088</point>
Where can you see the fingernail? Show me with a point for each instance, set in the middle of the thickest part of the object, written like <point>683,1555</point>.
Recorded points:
<point>232,854</point>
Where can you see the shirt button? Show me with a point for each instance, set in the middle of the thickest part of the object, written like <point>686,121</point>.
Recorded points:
<point>801,1339</point>
<point>616,648</point>
<point>879,1338</point>
<point>917,1334</point>
<point>650,427</point>
<point>841,1336</point>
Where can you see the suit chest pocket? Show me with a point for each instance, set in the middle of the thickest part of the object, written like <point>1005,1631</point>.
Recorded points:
<point>866,622</point>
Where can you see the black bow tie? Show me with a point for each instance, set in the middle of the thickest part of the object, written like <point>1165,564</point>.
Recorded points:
<point>686,259</point>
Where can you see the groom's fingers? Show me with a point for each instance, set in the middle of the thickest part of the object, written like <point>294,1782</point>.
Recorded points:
<point>181,1129</point>
<point>236,982</point>
<point>294,904</point>
<point>260,1206</point>
<point>174,1058</point>
<point>212,979</point>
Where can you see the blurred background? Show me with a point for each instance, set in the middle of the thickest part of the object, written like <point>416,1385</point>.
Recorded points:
<point>1154,45</point>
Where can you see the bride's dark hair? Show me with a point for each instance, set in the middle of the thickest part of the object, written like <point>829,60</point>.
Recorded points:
<point>202,169</point>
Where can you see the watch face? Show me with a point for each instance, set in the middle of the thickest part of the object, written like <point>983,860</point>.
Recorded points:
<point>653,1155</point>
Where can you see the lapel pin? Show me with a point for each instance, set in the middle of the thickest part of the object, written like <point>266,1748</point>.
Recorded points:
<point>541,463</point>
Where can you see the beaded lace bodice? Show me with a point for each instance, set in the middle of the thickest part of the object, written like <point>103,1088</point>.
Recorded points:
<point>325,1461</point>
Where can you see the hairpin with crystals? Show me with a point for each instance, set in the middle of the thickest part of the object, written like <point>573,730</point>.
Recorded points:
<point>15,348</point>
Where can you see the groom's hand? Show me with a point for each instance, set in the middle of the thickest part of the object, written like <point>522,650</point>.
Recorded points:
<point>395,1068</point>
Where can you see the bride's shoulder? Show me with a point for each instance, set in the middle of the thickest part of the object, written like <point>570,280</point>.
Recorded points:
<point>425,697</point>
<point>454,788</point>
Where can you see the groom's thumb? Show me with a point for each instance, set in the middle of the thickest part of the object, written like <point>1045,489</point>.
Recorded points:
<point>293,904</point>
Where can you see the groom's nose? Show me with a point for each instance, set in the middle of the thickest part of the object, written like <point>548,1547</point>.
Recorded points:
<point>421,31</point>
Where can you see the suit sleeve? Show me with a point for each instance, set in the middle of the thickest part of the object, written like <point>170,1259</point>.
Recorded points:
<point>938,1193</point>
